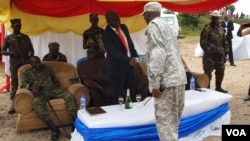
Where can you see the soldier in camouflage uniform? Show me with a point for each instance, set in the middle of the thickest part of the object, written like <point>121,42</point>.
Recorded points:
<point>41,80</point>
<point>165,71</point>
<point>214,44</point>
<point>19,47</point>
<point>92,39</point>
<point>54,54</point>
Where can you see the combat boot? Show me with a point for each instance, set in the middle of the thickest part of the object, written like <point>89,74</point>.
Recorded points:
<point>11,110</point>
<point>55,131</point>
<point>218,87</point>
<point>73,124</point>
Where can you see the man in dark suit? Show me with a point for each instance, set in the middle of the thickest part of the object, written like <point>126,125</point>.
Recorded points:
<point>229,27</point>
<point>121,57</point>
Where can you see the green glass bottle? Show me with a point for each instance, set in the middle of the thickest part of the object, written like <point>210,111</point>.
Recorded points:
<point>128,101</point>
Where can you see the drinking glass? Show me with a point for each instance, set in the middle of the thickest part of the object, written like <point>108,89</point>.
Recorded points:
<point>120,101</point>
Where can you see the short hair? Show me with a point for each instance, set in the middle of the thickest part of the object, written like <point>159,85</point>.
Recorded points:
<point>109,14</point>
<point>93,15</point>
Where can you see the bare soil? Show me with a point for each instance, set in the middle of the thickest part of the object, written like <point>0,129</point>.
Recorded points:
<point>236,81</point>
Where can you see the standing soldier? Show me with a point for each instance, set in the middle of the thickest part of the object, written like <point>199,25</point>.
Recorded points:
<point>19,47</point>
<point>165,71</point>
<point>92,39</point>
<point>214,44</point>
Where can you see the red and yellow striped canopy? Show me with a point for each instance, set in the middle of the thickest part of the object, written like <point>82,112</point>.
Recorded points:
<point>72,15</point>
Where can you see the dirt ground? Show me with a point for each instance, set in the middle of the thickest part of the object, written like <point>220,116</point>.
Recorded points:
<point>236,81</point>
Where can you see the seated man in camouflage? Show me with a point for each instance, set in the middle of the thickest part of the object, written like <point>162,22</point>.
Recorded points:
<point>54,54</point>
<point>41,80</point>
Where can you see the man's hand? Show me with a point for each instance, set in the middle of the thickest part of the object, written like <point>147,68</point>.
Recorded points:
<point>102,51</point>
<point>243,26</point>
<point>156,93</point>
<point>15,54</point>
<point>35,91</point>
<point>89,45</point>
<point>133,62</point>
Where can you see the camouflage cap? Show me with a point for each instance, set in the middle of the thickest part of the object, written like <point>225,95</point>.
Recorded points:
<point>53,45</point>
<point>152,7</point>
<point>15,22</point>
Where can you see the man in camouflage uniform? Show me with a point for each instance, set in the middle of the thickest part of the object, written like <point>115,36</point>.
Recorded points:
<point>214,44</point>
<point>41,80</point>
<point>92,39</point>
<point>19,47</point>
<point>165,71</point>
<point>54,54</point>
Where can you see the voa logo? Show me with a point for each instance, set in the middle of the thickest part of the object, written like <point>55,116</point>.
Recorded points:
<point>236,132</point>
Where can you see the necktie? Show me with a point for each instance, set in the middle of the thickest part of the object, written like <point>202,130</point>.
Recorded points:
<point>122,38</point>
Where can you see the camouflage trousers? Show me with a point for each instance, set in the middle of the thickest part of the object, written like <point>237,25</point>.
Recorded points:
<point>14,80</point>
<point>216,63</point>
<point>41,109</point>
<point>168,110</point>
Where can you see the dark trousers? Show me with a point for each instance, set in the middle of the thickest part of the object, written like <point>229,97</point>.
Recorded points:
<point>14,81</point>
<point>121,83</point>
<point>230,53</point>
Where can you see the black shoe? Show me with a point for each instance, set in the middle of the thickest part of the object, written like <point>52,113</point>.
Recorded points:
<point>55,131</point>
<point>55,135</point>
<point>232,64</point>
<point>221,90</point>
<point>247,98</point>
<point>72,127</point>
<point>11,110</point>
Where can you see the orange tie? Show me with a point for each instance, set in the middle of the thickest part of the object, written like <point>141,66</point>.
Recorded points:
<point>122,38</point>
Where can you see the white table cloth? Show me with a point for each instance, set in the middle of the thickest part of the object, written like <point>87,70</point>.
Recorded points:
<point>197,105</point>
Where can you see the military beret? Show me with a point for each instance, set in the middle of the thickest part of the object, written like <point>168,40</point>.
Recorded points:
<point>53,45</point>
<point>15,22</point>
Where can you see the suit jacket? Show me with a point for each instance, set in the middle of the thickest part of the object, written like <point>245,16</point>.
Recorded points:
<point>230,28</point>
<point>117,58</point>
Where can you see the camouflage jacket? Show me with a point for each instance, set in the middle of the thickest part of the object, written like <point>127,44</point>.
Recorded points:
<point>44,79</point>
<point>164,65</point>
<point>213,40</point>
<point>20,44</point>
<point>60,57</point>
<point>94,36</point>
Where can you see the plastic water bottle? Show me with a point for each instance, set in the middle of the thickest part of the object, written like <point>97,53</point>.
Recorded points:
<point>192,83</point>
<point>83,104</point>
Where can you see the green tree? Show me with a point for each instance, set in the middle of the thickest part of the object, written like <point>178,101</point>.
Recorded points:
<point>242,15</point>
<point>231,8</point>
<point>192,20</point>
